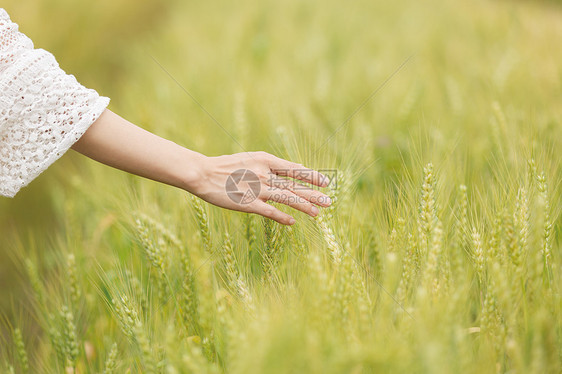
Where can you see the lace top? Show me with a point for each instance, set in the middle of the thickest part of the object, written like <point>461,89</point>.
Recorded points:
<point>43,111</point>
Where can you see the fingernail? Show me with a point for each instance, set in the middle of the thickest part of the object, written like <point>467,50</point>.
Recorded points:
<point>328,200</point>
<point>291,221</point>
<point>314,211</point>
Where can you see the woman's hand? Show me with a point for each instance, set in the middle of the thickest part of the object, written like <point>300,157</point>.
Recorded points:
<point>246,181</point>
<point>243,181</point>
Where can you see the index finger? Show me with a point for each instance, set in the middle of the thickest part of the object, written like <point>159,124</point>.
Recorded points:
<point>297,171</point>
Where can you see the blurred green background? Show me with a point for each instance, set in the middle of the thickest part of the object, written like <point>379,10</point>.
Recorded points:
<point>271,71</point>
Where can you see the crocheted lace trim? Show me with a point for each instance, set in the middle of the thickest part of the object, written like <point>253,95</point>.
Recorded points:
<point>43,111</point>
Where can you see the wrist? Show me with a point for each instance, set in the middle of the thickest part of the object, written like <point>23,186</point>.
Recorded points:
<point>191,166</point>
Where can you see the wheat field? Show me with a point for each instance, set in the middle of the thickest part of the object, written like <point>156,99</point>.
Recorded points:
<point>441,122</point>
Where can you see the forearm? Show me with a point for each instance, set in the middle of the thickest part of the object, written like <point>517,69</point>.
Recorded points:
<point>116,142</point>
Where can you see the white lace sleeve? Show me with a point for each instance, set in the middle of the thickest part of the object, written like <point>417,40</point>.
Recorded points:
<point>43,111</point>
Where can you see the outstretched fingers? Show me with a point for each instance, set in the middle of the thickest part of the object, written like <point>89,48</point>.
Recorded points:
<point>269,211</point>
<point>291,199</point>
<point>287,191</point>
<point>307,193</point>
<point>297,171</point>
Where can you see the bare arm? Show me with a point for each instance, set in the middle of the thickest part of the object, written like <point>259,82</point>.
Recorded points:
<point>116,142</point>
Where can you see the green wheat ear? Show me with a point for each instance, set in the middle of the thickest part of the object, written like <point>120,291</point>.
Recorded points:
<point>36,283</point>
<point>410,271</point>
<point>134,329</point>
<point>74,286</point>
<point>478,256</point>
<point>428,211</point>
<point>250,231</point>
<point>21,352</point>
<point>273,246</point>
<point>69,336</point>
<point>234,279</point>
<point>126,314</point>
<point>431,276</point>
<point>334,247</point>
<point>156,251</point>
<point>203,222</point>
<point>112,364</point>
<point>544,202</point>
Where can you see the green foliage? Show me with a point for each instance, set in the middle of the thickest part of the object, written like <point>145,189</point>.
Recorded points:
<point>440,254</point>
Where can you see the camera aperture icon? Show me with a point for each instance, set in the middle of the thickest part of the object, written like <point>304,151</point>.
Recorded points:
<point>242,186</point>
